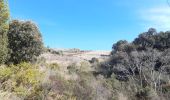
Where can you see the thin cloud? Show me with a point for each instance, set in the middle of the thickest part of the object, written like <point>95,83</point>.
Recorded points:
<point>158,17</point>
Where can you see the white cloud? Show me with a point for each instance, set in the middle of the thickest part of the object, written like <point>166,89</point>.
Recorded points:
<point>158,17</point>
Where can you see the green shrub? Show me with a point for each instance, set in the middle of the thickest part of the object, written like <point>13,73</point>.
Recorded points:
<point>57,52</point>
<point>146,94</point>
<point>54,66</point>
<point>5,73</point>
<point>23,79</point>
<point>72,68</point>
<point>4,16</point>
<point>94,60</point>
<point>85,66</point>
<point>21,91</point>
<point>30,76</point>
<point>25,41</point>
<point>27,74</point>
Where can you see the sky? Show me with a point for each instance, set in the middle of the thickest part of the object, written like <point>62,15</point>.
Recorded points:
<point>92,24</point>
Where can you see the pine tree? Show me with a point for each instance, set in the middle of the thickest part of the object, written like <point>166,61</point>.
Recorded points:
<point>4,26</point>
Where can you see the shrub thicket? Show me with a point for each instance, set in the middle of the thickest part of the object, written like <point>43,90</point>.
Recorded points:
<point>143,63</point>
<point>22,80</point>
<point>25,41</point>
<point>4,16</point>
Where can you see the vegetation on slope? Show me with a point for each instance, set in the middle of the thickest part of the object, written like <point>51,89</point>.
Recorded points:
<point>135,71</point>
<point>4,18</point>
<point>143,65</point>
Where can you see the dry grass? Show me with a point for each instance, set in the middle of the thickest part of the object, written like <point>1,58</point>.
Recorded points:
<point>70,57</point>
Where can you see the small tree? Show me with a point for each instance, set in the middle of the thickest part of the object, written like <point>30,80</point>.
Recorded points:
<point>4,16</point>
<point>119,45</point>
<point>146,39</point>
<point>25,41</point>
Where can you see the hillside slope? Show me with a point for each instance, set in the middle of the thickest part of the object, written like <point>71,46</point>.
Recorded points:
<point>70,56</point>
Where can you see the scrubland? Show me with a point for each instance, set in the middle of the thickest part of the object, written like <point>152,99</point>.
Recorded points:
<point>136,70</point>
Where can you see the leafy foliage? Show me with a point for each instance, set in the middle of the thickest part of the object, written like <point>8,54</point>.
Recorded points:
<point>4,16</point>
<point>143,64</point>
<point>5,73</point>
<point>22,79</point>
<point>25,41</point>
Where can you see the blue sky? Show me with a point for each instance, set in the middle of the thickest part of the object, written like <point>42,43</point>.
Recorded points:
<point>91,24</point>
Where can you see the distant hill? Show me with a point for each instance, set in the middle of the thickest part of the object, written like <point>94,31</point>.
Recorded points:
<point>68,56</point>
